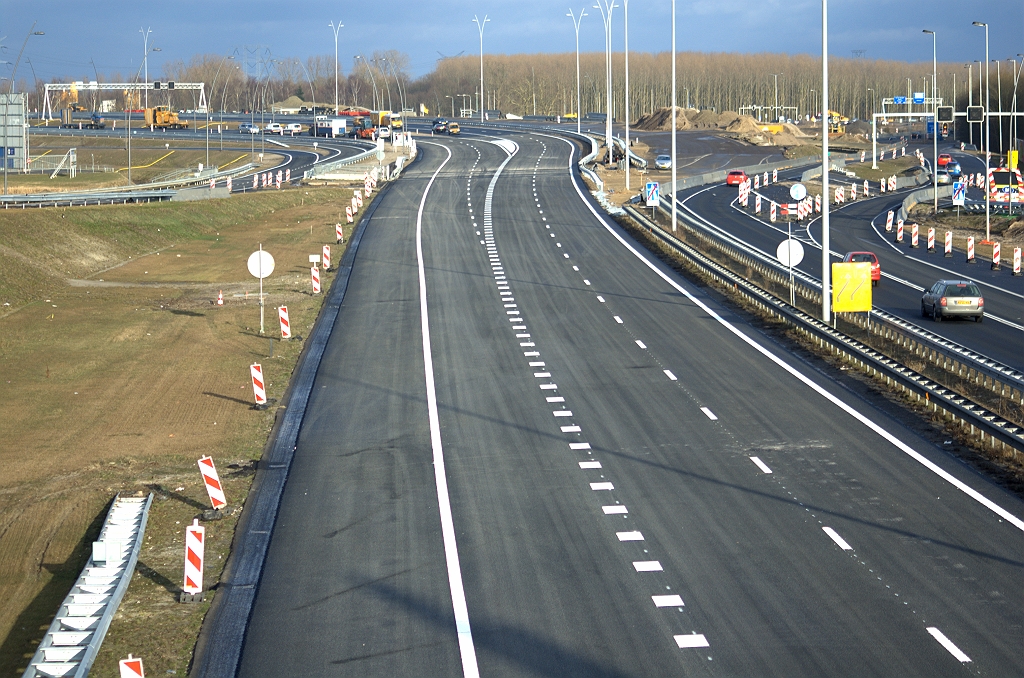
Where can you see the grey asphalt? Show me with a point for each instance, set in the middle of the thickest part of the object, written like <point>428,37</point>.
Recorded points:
<point>355,581</point>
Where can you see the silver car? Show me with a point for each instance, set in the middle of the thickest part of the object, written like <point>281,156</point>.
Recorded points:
<point>953,297</point>
<point>663,162</point>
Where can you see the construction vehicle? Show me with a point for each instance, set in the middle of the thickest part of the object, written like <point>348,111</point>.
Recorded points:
<point>68,122</point>
<point>363,127</point>
<point>837,123</point>
<point>162,117</point>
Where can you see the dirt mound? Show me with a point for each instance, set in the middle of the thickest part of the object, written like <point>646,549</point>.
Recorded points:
<point>704,119</point>
<point>858,127</point>
<point>661,120</point>
<point>742,125</point>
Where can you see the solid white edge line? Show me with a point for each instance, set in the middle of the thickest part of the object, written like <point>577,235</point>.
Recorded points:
<point>837,539</point>
<point>451,550</point>
<point>893,440</point>
<point>948,644</point>
<point>760,464</point>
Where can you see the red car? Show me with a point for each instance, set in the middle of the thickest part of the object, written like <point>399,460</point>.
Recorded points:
<point>735,177</point>
<point>945,159</point>
<point>876,268</point>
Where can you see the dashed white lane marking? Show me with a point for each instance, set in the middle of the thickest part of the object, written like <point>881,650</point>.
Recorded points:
<point>641,344</point>
<point>709,413</point>
<point>600,298</point>
<point>761,465</point>
<point>837,539</point>
<point>566,256</point>
<point>576,268</point>
<point>586,282</point>
<point>691,640</point>
<point>537,364</point>
<point>527,344</point>
<point>617,319</point>
<point>562,413</point>
<point>590,464</point>
<point>541,375</point>
<point>532,354</point>
<point>523,336</point>
<point>555,399</point>
<point>647,566</point>
<point>668,373</point>
<point>948,644</point>
<point>667,601</point>
<point>548,387</point>
<point>510,305</point>
<point>626,536</point>
<point>601,486</point>
<point>571,429</point>
<point>579,446</point>
<point>612,510</point>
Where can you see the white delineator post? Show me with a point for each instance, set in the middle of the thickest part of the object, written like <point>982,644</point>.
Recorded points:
<point>195,541</point>
<point>339,235</point>
<point>286,328</point>
<point>348,216</point>
<point>888,220</point>
<point>212,480</point>
<point>1016,261</point>
<point>315,276</point>
<point>995,256</point>
<point>326,258</point>
<point>970,249</point>
<point>948,245</point>
<point>258,388</point>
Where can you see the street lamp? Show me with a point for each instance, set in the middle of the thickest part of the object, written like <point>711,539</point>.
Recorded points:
<point>672,197</point>
<point>373,81</point>
<point>988,137</point>
<point>970,99</point>
<point>935,127</point>
<point>335,29</point>
<point>777,112</point>
<point>606,17</point>
<point>576,24</point>
<point>145,58</point>
<point>449,96</point>
<point>625,31</point>
<point>999,98</point>
<point>872,101</point>
<point>480,27</point>
<point>212,88</point>
<point>826,269</point>
<point>386,84</point>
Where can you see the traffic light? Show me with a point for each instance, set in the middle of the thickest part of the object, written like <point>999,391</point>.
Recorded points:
<point>156,85</point>
<point>170,85</point>
<point>975,114</point>
<point>945,129</point>
<point>945,113</point>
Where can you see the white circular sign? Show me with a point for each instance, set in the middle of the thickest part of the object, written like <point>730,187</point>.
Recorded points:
<point>790,252</point>
<point>380,156</point>
<point>798,192</point>
<point>260,264</point>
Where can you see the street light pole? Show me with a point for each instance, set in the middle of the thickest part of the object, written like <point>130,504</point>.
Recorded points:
<point>999,98</point>
<point>777,112</point>
<point>480,27</point>
<point>576,24</point>
<point>145,59</point>
<point>373,81</point>
<point>212,87</point>
<point>935,128</point>
<point>625,6</point>
<point>606,16</point>
<point>449,96</point>
<point>826,268</point>
<point>672,197</point>
<point>988,137</point>
<point>335,29</point>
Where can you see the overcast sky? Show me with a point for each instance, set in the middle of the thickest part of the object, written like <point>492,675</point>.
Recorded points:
<point>108,32</point>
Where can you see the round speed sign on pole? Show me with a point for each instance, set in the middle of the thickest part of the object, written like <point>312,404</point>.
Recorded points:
<point>260,265</point>
<point>790,253</point>
<point>798,192</point>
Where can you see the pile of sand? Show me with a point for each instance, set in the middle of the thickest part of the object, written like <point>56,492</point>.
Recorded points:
<point>744,124</point>
<point>744,127</point>
<point>661,120</point>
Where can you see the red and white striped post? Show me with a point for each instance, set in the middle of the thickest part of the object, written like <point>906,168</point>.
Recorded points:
<point>131,668</point>
<point>220,298</point>
<point>948,245</point>
<point>913,236</point>
<point>315,275</point>
<point>881,185</point>
<point>286,327</point>
<point>765,182</point>
<point>339,235</point>
<point>888,222</point>
<point>288,174</point>
<point>862,154</point>
<point>772,213</point>
<point>212,481</point>
<point>853,191</point>
<point>259,391</point>
<point>355,205</point>
<point>229,184</point>
<point>995,256</point>
<point>348,213</point>
<point>366,187</point>
<point>757,181</point>
<point>195,542</point>
<point>326,258</point>
<point>970,250</point>
<point>1016,261</point>
<point>899,230</point>
<point>817,203</point>
<point>358,195</point>
<point>865,188</point>
<point>757,204</point>
<point>255,181</point>
<point>213,184</point>
<point>775,176</point>
<point>931,239</point>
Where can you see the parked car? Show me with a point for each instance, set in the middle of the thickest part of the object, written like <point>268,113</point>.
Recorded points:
<point>876,268</point>
<point>735,177</point>
<point>248,127</point>
<point>453,128</point>
<point>273,128</point>
<point>944,159</point>
<point>293,128</point>
<point>952,298</point>
<point>663,162</point>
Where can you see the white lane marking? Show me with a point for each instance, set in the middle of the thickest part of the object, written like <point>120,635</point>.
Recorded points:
<point>641,344</point>
<point>513,313</point>
<point>691,640</point>
<point>555,399</point>
<point>876,428</point>
<point>541,374</point>
<point>600,298</point>
<point>519,327</point>
<point>647,566</point>
<point>531,354</point>
<point>612,510</point>
<point>627,536</point>
<point>558,244</point>
<point>668,373</point>
<point>527,344</point>
<point>566,256</point>
<point>586,282</point>
<point>590,464</point>
<point>579,446</point>
<point>576,268</point>
<point>617,319</point>
<point>510,305</point>
<point>571,429</point>
<point>562,413</point>
<point>667,601</point>
<point>548,387</point>
<point>948,644</point>
<point>522,336</point>
<point>761,465</point>
<point>451,550</point>
<point>709,413</point>
<point>601,486</point>
<point>537,364</point>
<point>837,539</point>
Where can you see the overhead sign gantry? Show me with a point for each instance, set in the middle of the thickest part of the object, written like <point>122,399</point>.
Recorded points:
<point>126,87</point>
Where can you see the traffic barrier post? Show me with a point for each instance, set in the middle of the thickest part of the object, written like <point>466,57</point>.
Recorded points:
<point>258,389</point>
<point>865,188</point>
<point>209,472</point>
<point>899,230</point>
<point>1016,261</point>
<point>775,176</point>
<point>757,204</point>
<point>817,203</point>
<point>913,236</point>
<point>220,298</point>
<point>348,213</point>
<point>286,328</point>
<point>326,258</point>
<point>765,182</point>
<point>195,541</point>
<point>970,250</point>
<point>948,245</point>
<point>771,213</point>
<point>339,236</point>
<point>315,275</point>
<point>995,256</point>
<point>888,221</point>
<point>931,239</point>
<point>757,181</point>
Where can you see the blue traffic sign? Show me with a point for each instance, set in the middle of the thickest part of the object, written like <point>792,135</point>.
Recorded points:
<point>918,97</point>
<point>651,193</point>
<point>959,193</point>
<point>899,100</point>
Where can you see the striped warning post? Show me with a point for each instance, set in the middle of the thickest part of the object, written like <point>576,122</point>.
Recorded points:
<point>286,327</point>
<point>258,389</point>
<point>213,183</point>
<point>326,258</point>
<point>366,187</point>
<point>131,668</point>
<point>853,191</point>
<point>881,185</point>
<point>315,275</point>
<point>775,176</point>
<point>899,230</point>
<point>995,256</point>
<point>862,153</point>
<point>288,174</point>
<point>948,244</point>
<point>212,481</point>
<point>892,183</point>
<point>255,181</point>
<point>348,214</point>
<point>865,188</point>
<point>220,298</point>
<point>354,205</point>
<point>765,182</point>
<point>339,235</point>
<point>1016,261</point>
<point>358,195</point>
<point>771,213</point>
<point>913,236</point>
<point>894,153</point>
<point>195,541</point>
<point>931,238</point>
<point>840,195</point>
<point>817,203</point>
<point>888,221</point>
<point>757,204</point>
<point>970,250</point>
<point>757,181</point>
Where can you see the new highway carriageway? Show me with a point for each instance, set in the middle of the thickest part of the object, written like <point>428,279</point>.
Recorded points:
<point>531,450</point>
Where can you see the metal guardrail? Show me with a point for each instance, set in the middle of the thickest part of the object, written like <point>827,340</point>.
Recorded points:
<point>71,643</point>
<point>326,167</point>
<point>992,427</point>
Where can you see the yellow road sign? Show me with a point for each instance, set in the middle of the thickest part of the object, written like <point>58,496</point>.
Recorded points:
<point>851,287</point>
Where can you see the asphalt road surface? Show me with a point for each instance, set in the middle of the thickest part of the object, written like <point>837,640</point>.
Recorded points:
<point>587,467</point>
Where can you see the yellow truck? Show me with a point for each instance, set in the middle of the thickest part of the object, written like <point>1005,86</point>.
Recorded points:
<point>162,117</point>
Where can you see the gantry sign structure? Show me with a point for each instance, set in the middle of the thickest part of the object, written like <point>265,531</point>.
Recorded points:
<point>127,88</point>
